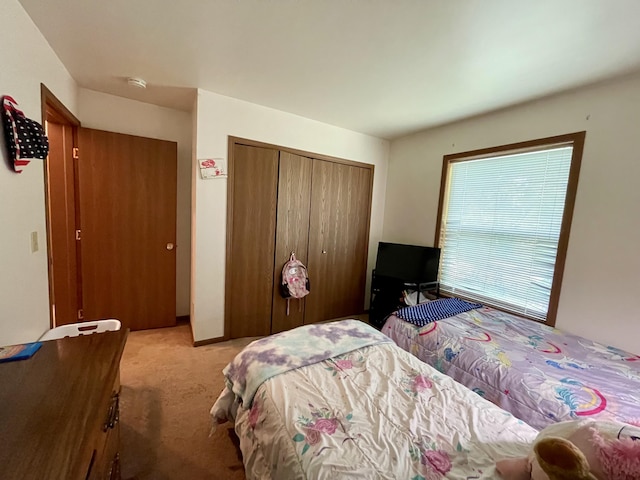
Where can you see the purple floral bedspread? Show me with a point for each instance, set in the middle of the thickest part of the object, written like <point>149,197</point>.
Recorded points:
<point>299,347</point>
<point>373,413</point>
<point>538,373</point>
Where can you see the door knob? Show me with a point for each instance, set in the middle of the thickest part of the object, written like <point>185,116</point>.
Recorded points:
<point>170,246</point>
<point>324,252</point>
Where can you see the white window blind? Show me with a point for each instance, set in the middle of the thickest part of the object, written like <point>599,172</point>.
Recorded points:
<point>500,228</point>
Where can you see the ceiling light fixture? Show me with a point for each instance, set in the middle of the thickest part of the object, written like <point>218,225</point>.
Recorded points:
<point>137,82</point>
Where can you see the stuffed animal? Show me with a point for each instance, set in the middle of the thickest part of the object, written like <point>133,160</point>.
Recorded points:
<point>579,450</point>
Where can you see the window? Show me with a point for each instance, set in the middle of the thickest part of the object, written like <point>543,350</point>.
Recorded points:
<point>504,220</point>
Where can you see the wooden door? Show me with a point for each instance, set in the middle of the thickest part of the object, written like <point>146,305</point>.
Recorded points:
<point>127,204</point>
<point>253,192</point>
<point>292,234</point>
<point>338,240</point>
<point>63,253</point>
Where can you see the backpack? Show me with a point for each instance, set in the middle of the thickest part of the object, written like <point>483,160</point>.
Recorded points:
<point>295,283</point>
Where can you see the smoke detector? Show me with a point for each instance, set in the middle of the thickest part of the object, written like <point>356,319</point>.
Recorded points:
<point>137,82</point>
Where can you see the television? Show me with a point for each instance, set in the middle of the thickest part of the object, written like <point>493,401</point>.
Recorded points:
<point>409,263</point>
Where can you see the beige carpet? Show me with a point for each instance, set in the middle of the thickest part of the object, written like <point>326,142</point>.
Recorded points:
<point>168,388</point>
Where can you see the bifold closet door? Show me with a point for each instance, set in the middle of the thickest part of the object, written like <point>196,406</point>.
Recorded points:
<point>249,286</point>
<point>292,234</point>
<point>338,240</point>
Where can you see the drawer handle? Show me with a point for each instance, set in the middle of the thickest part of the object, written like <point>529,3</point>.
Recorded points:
<point>114,413</point>
<point>114,468</point>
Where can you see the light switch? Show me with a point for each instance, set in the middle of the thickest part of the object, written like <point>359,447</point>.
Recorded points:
<point>34,242</point>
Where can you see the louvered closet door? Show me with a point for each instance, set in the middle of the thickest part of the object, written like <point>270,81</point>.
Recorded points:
<point>338,237</point>
<point>292,234</point>
<point>249,286</point>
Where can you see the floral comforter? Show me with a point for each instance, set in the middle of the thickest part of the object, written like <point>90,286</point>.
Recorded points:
<point>538,373</point>
<point>373,413</point>
<point>306,345</point>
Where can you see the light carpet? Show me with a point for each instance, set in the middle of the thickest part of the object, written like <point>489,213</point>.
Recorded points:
<point>168,388</point>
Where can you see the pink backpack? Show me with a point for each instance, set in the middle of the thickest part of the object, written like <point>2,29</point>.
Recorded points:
<point>295,282</point>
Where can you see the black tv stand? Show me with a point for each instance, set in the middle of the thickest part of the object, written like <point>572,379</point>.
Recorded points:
<point>386,295</point>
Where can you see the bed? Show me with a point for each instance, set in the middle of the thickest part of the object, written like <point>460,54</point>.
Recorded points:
<point>340,400</point>
<point>538,373</point>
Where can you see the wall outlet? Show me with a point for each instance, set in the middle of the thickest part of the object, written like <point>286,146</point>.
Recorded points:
<point>34,242</point>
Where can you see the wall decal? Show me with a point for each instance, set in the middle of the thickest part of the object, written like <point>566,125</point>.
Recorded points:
<point>213,168</point>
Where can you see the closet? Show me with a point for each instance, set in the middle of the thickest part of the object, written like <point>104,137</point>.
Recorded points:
<point>281,201</point>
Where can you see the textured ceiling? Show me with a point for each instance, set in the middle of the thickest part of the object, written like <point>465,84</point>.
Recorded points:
<point>380,67</point>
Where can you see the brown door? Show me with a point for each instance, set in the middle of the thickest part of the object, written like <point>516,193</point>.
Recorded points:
<point>253,183</point>
<point>292,234</point>
<point>127,205</point>
<point>62,224</point>
<point>338,237</point>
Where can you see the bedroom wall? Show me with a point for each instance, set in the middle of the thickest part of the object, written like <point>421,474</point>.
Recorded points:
<point>219,117</point>
<point>602,272</point>
<point>116,114</point>
<point>26,60</point>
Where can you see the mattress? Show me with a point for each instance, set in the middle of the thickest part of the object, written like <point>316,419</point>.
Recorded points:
<point>538,373</point>
<point>376,412</point>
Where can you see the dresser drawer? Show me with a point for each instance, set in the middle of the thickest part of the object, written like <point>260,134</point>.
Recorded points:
<point>105,464</point>
<point>54,409</point>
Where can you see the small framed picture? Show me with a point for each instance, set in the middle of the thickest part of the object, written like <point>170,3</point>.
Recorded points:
<point>213,168</point>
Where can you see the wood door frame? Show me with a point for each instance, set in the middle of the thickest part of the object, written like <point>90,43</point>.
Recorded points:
<point>232,142</point>
<point>52,109</point>
<point>295,151</point>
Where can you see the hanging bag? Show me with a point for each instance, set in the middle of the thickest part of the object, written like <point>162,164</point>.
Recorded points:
<point>25,138</point>
<point>295,282</point>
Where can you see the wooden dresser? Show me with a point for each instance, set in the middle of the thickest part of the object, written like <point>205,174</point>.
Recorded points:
<point>59,410</point>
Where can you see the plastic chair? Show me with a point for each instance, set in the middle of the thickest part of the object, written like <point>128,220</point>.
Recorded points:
<point>82,328</point>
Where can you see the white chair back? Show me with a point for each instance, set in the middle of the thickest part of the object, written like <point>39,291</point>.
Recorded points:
<point>82,328</point>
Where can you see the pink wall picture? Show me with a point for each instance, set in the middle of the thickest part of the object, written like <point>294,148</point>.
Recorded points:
<point>213,168</point>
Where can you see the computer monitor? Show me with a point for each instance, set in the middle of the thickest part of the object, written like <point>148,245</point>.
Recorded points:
<point>410,263</point>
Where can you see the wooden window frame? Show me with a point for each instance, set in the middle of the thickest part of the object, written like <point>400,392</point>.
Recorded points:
<point>577,141</point>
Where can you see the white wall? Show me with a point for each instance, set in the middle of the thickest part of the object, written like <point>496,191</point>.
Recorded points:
<point>219,117</point>
<point>116,114</point>
<point>26,60</point>
<point>602,273</point>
